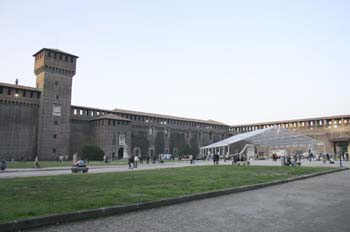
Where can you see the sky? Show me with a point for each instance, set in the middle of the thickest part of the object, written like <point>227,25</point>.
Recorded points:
<point>232,61</point>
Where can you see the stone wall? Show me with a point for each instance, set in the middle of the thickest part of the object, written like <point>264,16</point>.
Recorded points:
<point>81,134</point>
<point>18,126</point>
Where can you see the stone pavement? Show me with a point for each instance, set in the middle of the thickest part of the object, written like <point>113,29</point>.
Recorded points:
<point>28,172</point>
<point>315,204</point>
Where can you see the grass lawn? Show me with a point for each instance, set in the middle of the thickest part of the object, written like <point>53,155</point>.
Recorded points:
<point>37,196</point>
<point>50,164</point>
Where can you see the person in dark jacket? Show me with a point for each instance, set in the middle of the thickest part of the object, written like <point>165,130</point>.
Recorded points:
<point>131,162</point>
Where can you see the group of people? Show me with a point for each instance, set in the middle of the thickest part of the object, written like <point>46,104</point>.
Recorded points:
<point>290,160</point>
<point>133,161</point>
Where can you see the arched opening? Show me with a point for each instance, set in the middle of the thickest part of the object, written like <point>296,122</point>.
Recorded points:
<point>137,151</point>
<point>121,153</point>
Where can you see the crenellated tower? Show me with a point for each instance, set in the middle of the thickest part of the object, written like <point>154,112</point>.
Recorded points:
<point>54,70</point>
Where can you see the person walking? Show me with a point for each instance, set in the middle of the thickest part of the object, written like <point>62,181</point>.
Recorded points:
<point>136,160</point>
<point>216,159</point>
<point>36,162</point>
<point>191,159</point>
<point>131,162</point>
<point>3,165</point>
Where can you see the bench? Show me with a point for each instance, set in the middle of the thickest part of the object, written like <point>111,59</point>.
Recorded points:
<point>79,169</point>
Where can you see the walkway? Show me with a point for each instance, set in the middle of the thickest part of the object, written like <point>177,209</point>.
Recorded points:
<point>28,172</point>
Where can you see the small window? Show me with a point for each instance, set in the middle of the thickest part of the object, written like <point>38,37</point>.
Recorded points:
<point>55,136</point>
<point>56,122</point>
<point>57,97</point>
<point>56,83</point>
<point>60,57</point>
<point>24,93</point>
<point>1,90</point>
<point>55,55</point>
<point>8,91</point>
<point>53,150</point>
<point>71,59</point>
<point>49,54</point>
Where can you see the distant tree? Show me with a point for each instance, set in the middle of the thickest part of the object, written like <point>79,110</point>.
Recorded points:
<point>185,150</point>
<point>92,152</point>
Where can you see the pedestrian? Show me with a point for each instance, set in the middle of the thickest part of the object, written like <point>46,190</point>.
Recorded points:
<point>136,160</point>
<point>131,162</point>
<point>36,162</point>
<point>216,159</point>
<point>347,156</point>
<point>191,159</point>
<point>147,159</point>
<point>141,159</point>
<point>3,165</point>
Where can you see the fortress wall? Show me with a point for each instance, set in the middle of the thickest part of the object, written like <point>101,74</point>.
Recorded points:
<point>18,129</point>
<point>80,135</point>
<point>105,134</point>
<point>170,138</point>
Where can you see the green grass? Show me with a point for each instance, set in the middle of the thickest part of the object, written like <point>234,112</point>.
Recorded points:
<point>51,164</point>
<point>37,196</point>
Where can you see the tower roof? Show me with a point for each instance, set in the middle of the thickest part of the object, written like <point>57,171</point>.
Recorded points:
<point>55,50</point>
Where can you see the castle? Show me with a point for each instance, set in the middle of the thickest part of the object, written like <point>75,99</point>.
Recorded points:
<point>42,121</point>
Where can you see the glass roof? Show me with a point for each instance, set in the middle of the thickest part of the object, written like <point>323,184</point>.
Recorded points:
<point>276,137</point>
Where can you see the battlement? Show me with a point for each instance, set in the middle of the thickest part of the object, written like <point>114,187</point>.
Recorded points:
<point>19,94</point>
<point>55,61</point>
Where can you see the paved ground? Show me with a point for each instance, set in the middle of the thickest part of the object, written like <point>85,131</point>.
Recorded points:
<point>316,204</point>
<point>27,172</point>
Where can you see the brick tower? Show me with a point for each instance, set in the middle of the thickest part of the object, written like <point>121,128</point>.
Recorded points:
<point>54,70</point>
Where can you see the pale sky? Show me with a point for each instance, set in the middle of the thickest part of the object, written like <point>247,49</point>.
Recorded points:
<point>231,61</point>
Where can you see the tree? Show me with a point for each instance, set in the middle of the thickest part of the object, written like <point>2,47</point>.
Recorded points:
<point>92,152</point>
<point>185,150</point>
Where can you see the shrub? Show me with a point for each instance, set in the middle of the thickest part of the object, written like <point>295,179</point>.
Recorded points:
<point>92,152</point>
